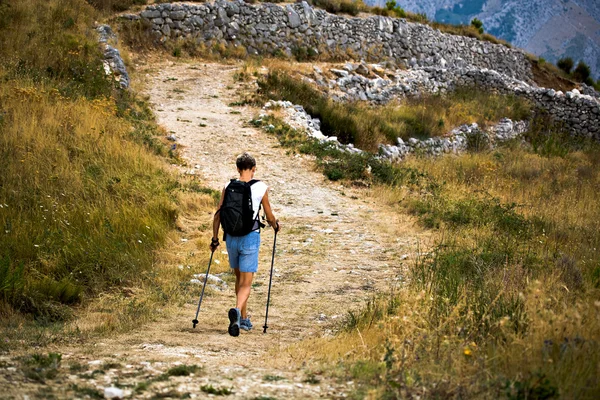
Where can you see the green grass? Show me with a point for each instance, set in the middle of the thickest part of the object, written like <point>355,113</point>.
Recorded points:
<point>94,199</point>
<point>504,304</point>
<point>223,391</point>
<point>39,367</point>
<point>183,370</point>
<point>273,378</point>
<point>334,163</point>
<point>87,391</point>
<point>367,126</point>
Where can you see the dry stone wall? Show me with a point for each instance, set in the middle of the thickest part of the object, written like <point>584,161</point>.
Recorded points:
<point>436,62</point>
<point>269,28</point>
<point>579,112</point>
<point>457,141</point>
<point>113,62</point>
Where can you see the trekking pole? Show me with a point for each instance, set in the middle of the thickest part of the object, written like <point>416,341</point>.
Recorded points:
<point>270,281</point>
<point>195,320</point>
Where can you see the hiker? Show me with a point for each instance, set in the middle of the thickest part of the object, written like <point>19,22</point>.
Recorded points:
<point>241,226</point>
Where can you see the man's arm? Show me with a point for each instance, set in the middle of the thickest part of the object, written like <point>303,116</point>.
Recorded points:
<point>216,224</point>
<point>270,217</point>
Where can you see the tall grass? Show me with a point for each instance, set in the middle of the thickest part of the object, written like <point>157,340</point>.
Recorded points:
<point>84,201</point>
<point>116,5</point>
<point>423,117</point>
<point>350,7</point>
<point>90,205</point>
<point>53,41</point>
<point>506,305</point>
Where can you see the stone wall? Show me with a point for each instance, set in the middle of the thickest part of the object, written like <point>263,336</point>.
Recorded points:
<point>457,141</point>
<point>113,62</point>
<point>269,28</point>
<point>579,112</point>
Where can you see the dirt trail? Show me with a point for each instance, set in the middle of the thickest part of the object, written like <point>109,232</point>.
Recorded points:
<point>334,252</point>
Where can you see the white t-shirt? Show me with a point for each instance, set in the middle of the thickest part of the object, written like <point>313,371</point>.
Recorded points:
<point>258,192</point>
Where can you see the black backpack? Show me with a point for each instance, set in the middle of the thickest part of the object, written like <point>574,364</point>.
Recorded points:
<point>237,214</point>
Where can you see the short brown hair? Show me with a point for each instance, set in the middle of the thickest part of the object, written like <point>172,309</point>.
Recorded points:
<point>245,162</point>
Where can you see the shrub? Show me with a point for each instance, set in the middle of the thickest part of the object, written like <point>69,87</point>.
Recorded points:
<point>302,53</point>
<point>419,17</point>
<point>381,11</point>
<point>566,64</point>
<point>396,9</point>
<point>477,24</point>
<point>39,367</point>
<point>351,7</point>
<point>582,72</point>
<point>183,370</point>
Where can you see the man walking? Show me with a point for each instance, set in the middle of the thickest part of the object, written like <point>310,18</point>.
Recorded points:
<point>238,213</point>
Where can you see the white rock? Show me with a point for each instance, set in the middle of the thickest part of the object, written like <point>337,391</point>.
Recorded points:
<point>113,393</point>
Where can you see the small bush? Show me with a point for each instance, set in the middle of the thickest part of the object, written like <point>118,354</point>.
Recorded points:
<point>352,7</point>
<point>537,387</point>
<point>302,53</point>
<point>565,64</point>
<point>395,8</point>
<point>582,72</point>
<point>477,24</point>
<point>39,367</point>
<point>183,370</point>
<point>12,281</point>
<point>223,391</point>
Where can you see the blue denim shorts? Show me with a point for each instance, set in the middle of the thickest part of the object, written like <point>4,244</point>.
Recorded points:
<point>243,251</point>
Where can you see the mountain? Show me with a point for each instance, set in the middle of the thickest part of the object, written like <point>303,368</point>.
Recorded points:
<point>548,28</point>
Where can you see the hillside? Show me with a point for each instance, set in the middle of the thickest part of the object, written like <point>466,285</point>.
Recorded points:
<point>439,208</point>
<point>551,29</point>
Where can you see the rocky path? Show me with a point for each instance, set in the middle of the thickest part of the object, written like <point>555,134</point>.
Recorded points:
<point>336,249</point>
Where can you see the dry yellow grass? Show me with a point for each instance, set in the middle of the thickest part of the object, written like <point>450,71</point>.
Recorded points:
<point>470,324</point>
<point>86,197</point>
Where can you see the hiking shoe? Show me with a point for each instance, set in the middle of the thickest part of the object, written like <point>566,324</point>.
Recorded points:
<point>234,322</point>
<point>245,324</point>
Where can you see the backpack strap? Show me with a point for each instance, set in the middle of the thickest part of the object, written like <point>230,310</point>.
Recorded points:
<point>219,210</point>
<point>257,219</point>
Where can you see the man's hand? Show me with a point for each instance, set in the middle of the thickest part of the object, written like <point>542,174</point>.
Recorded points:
<point>214,244</point>
<point>277,226</point>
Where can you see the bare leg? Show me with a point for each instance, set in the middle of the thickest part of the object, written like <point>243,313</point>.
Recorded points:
<point>236,271</point>
<point>243,291</point>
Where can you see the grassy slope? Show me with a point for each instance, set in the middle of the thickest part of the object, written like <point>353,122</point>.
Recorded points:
<point>505,305</point>
<point>85,197</point>
<point>368,126</point>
